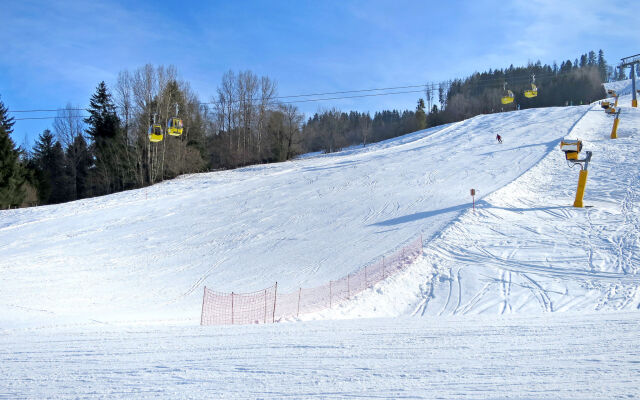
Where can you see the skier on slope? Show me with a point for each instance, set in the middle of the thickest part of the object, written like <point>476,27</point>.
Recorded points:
<point>499,138</point>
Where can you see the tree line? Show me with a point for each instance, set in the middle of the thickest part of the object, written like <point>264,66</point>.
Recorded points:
<point>571,83</point>
<point>243,123</point>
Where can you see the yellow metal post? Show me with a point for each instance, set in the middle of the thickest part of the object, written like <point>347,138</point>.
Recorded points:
<point>634,103</point>
<point>614,131</point>
<point>582,182</point>
<point>616,104</point>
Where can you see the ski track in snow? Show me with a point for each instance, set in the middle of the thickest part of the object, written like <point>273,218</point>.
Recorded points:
<point>548,356</point>
<point>526,249</point>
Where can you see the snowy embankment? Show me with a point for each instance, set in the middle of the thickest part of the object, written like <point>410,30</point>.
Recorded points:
<point>146,254</point>
<point>623,87</point>
<point>525,249</point>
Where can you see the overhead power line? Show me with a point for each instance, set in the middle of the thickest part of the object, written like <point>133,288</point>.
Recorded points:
<point>50,110</point>
<point>256,99</point>
<point>285,102</point>
<point>486,82</point>
<point>70,116</point>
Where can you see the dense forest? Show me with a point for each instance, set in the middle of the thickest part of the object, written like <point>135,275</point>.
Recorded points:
<point>243,123</point>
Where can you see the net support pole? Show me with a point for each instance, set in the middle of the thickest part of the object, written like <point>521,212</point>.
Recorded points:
<point>231,308</point>
<point>348,289</point>
<point>299,295</point>
<point>275,298</point>
<point>204,295</point>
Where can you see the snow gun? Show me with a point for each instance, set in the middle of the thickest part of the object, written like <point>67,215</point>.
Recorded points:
<point>613,93</point>
<point>616,120</point>
<point>571,149</point>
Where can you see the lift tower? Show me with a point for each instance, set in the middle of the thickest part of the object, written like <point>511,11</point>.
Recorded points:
<point>632,62</point>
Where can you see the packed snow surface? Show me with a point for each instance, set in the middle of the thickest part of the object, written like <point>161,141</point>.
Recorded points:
<point>548,356</point>
<point>101,297</point>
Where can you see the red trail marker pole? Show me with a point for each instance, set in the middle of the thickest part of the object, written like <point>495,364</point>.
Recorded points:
<point>473,198</point>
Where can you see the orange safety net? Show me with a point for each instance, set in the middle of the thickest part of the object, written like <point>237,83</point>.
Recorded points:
<point>267,305</point>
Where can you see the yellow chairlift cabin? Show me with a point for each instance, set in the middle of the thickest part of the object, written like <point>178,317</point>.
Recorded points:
<point>175,125</point>
<point>571,148</point>
<point>507,98</point>
<point>534,89</point>
<point>155,131</point>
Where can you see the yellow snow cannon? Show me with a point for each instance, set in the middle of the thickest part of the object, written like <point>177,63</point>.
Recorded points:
<point>571,148</point>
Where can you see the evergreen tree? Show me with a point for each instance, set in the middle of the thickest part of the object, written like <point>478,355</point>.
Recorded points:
<point>59,178</point>
<point>12,172</point>
<point>49,158</point>
<point>42,154</point>
<point>77,168</point>
<point>622,74</point>
<point>107,147</point>
<point>602,65</point>
<point>5,121</point>
<point>421,117</point>
<point>583,61</point>
<point>103,121</point>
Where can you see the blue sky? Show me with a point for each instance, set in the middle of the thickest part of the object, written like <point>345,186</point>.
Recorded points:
<point>54,53</point>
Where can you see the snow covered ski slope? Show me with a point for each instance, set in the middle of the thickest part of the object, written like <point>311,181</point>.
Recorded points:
<point>548,356</point>
<point>101,297</point>
<point>146,254</point>
<point>527,250</point>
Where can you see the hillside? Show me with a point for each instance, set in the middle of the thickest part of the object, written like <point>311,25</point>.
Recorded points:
<point>101,297</point>
<point>527,250</point>
<point>145,254</point>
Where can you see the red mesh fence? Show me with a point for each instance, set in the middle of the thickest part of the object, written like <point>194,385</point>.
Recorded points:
<point>238,308</point>
<point>268,305</point>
